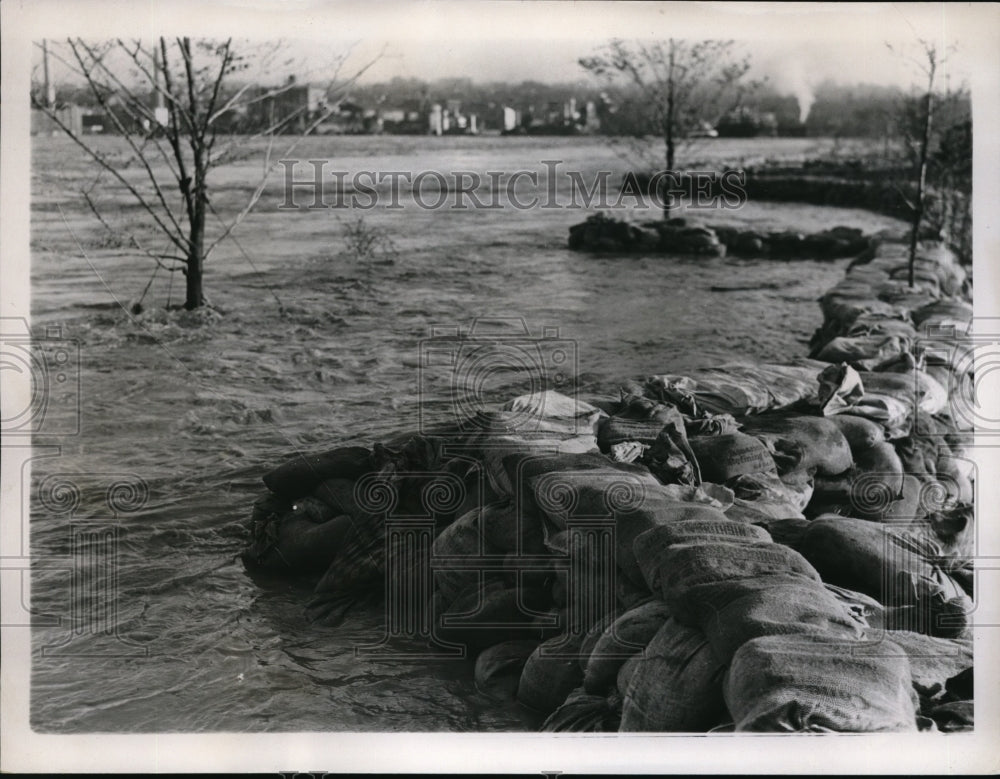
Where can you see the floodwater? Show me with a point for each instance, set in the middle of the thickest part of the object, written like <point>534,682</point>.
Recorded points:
<point>145,618</point>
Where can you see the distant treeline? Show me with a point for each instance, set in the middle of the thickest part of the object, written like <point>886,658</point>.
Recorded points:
<point>858,110</point>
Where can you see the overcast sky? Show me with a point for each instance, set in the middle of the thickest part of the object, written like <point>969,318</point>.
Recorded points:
<point>796,45</point>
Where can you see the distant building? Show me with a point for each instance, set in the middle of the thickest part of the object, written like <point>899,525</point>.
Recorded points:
<point>290,109</point>
<point>94,124</point>
<point>747,123</point>
<point>436,120</point>
<point>511,119</point>
<point>71,116</point>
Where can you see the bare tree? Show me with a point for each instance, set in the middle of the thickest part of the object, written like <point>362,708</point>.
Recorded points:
<point>918,128</point>
<point>681,84</point>
<point>171,102</point>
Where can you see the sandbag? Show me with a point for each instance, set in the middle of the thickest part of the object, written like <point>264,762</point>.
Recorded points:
<point>797,488</point>
<point>931,395</point>
<point>624,677</point>
<point>524,423</point>
<point>669,455</point>
<point>811,684</point>
<point>343,497</point>
<point>933,661</point>
<point>649,547</point>
<point>592,636</point>
<point>711,392</point>
<point>953,532</point>
<point>734,612</point>
<point>717,496</point>
<point>462,538</point>
<point>627,635</point>
<point>683,566</point>
<point>736,388</point>
<point>878,560</point>
<point>588,588</point>
<point>304,473</point>
<point>492,450</point>
<point>655,510</point>
<point>944,313</point>
<point>550,674</point>
<point>674,686</point>
<point>300,537</point>
<point>861,434</point>
<point>918,455</point>
<point>848,300</point>
<point>582,712</point>
<point>490,613</point>
<point>892,414</point>
<point>629,595</point>
<point>499,667</point>
<point>879,324</point>
<point>954,716</point>
<point>618,429</point>
<point>519,572</point>
<point>905,507</point>
<point>508,528</point>
<point>864,609</point>
<point>882,461</point>
<point>863,351</point>
<point>823,445</point>
<point>877,496</point>
<point>551,406</point>
<point>785,531</point>
<point>839,387</point>
<point>723,457</point>
<point>952,472</point>
<point>635,406</point>
<point>265,519</point>
<point>713,424</point>
<point>355,575</point>
<point>639,508</point>
<point>916,388</point>
<point>303,546</point>
<point>780,497</point>
<point>565,486</point>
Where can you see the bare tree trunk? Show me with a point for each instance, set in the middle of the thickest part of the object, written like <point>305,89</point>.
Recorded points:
<point>925,141</point>
<point>669,129</point>
<point>194,298</point>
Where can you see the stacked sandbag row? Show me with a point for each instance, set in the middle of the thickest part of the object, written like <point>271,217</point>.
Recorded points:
<point>866,482</point>
<point>603,233</point>
<point>323,519</point>
<point>900,357</point>
<point>792,245</point>
<point>747,547</point>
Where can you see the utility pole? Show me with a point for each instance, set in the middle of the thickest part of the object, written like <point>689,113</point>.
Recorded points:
<point>50,90</point>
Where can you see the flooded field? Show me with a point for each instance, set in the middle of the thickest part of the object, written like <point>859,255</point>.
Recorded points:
<point>308,346</point>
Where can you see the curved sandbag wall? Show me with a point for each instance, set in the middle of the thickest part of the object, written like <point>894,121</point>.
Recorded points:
<point>747,547</point>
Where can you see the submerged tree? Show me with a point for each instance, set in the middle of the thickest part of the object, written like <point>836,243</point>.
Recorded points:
<point>937,143</point>
<point>171,102</point>
<point>681,86</point>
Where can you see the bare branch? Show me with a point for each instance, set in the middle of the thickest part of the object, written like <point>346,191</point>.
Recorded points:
<point>166,91</point>
<point>259,190</point>
<point>177,240</point>
<point>223,69</point>
<point>173,137</point>
<point>126,134</point>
